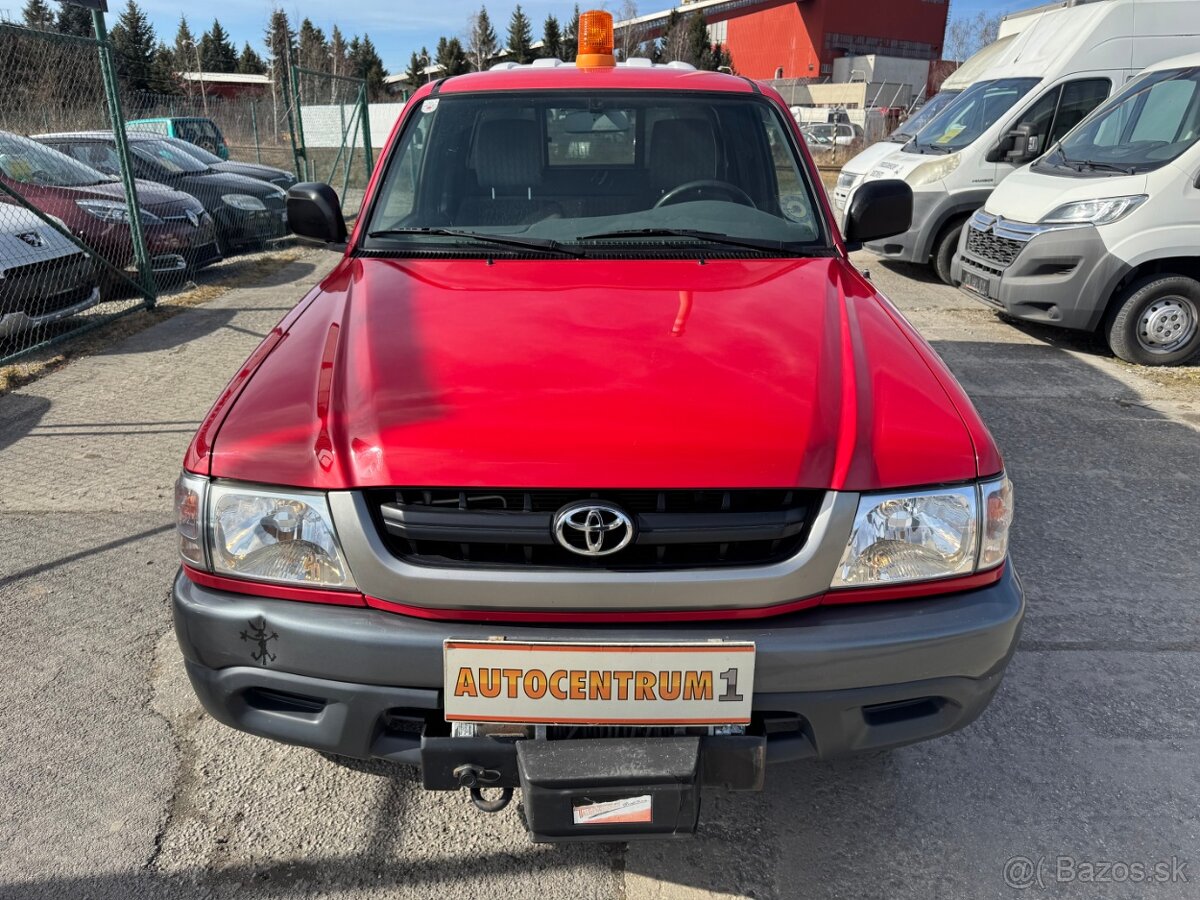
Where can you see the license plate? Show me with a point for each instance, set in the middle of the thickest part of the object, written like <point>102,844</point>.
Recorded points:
<point>976,283</point>
<point>700,683</point>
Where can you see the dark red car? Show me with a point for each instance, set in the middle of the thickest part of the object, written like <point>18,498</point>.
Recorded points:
<point>179,233</point>
<point>595,467</point>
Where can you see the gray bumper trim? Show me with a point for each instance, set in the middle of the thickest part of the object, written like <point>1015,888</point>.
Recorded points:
<point>931,211</point>
<point>378,573</point>
<point>1061,277</point>
<point>830,648</point>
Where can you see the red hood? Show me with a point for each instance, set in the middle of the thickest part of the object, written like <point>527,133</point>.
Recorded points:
<point>595,374</point>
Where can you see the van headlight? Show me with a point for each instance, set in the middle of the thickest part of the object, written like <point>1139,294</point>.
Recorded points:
<point>1095,212</point>
<point>934,170</point>
<point>262,534</point>
<point>926,535</point>
<point>244,202</point>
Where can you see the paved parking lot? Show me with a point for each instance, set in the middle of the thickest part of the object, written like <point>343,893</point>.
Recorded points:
<point>113,784</point>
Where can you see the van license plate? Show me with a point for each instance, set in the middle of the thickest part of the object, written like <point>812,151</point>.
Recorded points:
<point>700,683</point>
<point>976,283</point>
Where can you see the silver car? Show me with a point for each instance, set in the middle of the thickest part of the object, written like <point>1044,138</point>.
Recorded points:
<point>43,276</point>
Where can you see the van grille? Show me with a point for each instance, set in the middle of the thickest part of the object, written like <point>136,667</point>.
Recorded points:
<point>676,529</point>
<point>995,249</point>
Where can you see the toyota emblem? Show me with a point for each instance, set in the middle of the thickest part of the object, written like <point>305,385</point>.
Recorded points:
<point>593,529</point>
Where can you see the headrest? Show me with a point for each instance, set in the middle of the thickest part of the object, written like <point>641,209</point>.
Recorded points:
<point>682,150</point>
<point>508,153</point>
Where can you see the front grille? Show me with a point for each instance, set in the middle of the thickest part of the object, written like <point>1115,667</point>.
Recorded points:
<point>72,274</point>
<point>998,250</point>
<point>676,529</point>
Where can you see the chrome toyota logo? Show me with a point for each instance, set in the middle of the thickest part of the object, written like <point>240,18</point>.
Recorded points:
<point>593,529</point>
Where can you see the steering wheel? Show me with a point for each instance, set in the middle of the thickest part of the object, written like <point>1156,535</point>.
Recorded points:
<point>732,191</point>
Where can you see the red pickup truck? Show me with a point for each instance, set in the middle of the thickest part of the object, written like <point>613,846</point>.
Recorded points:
<point>594,467</point>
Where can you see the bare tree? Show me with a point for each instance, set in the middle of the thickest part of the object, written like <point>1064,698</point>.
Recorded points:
<point>482,42</point>
<point>629,39</point>
<point>967,34</point>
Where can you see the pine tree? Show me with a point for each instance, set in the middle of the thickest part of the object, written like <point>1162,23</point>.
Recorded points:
<point>415,73</point>
<point>74,20</point>
<point>133,44</point>
<point>451,56</point>
<point>552,42</point>
<point>482,42</point>
<point>280,42</point>
<point>185,47</point>
<point>312,51</point>
<point>520,36</point>
<point>366,63</point>
<point>338,52</point>
<point>217,53</point>
<point>250,63</point>
<point>570,40</point>
<point>163,79</point>
<point>37,14</point>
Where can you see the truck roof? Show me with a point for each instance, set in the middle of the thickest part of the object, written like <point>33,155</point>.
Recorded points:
<point>553,74</point>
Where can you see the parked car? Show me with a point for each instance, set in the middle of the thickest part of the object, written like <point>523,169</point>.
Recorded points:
<point>1103,232</point>
<point>608,481</point>
<point>247,212</point>
<point>281,178</point>
<point>43,276</point>
<point>829,134</point>
<point>1064,64</point>
<point>179,234</point>
<point>198,130</point>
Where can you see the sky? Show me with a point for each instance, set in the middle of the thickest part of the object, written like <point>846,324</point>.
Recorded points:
<point>398,27</point>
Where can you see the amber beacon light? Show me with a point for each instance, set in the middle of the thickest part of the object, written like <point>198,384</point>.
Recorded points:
<point>595,40</point>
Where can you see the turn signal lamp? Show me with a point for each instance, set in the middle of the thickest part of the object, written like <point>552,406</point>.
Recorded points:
<point>595,40</point>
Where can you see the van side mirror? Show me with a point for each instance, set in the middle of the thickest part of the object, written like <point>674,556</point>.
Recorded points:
<point>314,213</point>
<point>1020,145</point>
<point>878,209</point>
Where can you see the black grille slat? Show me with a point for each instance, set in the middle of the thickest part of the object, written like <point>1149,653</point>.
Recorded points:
<point>489,527</point>
<point>987,245</point>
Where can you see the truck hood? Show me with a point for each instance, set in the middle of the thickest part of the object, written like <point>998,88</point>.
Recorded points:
<point>1028,196</point>
<point>865,161</point>
<point>594,374</point>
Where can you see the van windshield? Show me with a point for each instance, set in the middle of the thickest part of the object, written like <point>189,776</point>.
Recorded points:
<point>1147,125</point>
<point>970,114</point>
<point>595,171</point>
<point>912,126</point>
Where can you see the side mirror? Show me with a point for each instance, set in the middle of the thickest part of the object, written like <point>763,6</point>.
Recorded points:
<point>878,209</point>
<point>314,212</point>
<point>1025,144</point>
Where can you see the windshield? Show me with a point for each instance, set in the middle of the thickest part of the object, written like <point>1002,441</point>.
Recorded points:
<point>575,169</point>
<point>913,124</point>
<point>209,159</point>
<point>163,155</point>
<point>970,114</point>
<point>1147,125</point>
<point>29,162</point>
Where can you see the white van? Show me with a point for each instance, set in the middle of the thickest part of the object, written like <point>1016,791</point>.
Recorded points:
<point>1104,230</point>
<point>956,82</point>
<point>1064,64</point>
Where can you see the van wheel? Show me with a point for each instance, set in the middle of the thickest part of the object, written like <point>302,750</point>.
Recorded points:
<point>1157,321</point>
<point>944,250</point>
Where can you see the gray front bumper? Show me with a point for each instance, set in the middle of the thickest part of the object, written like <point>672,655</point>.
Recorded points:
<point>1063,277</point>
<point>828,668</point>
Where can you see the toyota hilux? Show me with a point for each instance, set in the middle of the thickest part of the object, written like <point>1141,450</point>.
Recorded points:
<point>594,468</point>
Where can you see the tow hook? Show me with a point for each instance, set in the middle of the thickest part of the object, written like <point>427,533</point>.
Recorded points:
<point>475,779</point>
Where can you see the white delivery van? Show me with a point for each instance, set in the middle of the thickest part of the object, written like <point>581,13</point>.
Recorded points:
<point>1063,65</point>
<point>1103,232</point>
<point>956,82</point>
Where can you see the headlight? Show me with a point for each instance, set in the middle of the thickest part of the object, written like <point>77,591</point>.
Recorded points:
<point>934,170</point>
<point>847,180</point>
<point>259,533</point>
<point>923,536</point>
<point>112,211</point>
<point>244,202</point>
<point>1095,212</point>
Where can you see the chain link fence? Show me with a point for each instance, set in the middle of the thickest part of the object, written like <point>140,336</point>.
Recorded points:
<point>72,254</point>
<point>333,134</point>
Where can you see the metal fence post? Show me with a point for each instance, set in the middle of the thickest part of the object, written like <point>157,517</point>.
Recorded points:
<point>366,129</point>
<point>296,127</point>
<point>254,128</point>
<point>109,76</point>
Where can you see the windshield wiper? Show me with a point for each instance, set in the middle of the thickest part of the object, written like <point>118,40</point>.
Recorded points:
<point>712,237</point>
<point>1081,164</point>
<point>548,245</point>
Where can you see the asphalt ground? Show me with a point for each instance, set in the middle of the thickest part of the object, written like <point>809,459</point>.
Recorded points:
<point>1085,770</point>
